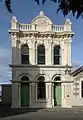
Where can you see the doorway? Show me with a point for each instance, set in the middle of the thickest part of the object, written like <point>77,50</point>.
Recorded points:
<point>25,91</point>
<point>57,91</point>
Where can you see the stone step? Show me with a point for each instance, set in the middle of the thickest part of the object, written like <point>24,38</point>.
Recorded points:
<point>60,109</point>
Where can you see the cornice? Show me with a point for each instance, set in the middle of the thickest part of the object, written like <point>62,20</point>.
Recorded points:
<point>37,34</point>
<point>38,66</point>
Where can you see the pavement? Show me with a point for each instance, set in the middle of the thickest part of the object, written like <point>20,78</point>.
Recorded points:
<point>50,114</point>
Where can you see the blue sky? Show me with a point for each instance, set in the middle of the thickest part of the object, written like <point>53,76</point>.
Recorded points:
<point>25,12</point>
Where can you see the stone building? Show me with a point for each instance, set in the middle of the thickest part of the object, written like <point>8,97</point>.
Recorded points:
<point>41,63</point>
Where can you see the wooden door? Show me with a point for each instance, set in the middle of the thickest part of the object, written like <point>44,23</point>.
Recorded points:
<point>24,94</point>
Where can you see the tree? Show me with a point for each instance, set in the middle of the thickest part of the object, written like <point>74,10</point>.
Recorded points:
<point>8,5</point>
<point>66,6</point>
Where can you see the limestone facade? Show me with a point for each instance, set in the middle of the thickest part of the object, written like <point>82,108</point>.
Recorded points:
<point>42,31</point>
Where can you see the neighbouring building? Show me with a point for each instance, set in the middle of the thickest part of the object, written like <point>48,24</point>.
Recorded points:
<point>0,93</point>
<point>6,94</point>
<point>41,65</point>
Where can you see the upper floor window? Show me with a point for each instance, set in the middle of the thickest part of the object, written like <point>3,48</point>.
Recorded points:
<point>57,55</point>
<point>41,54</point>
<point>25,54</point>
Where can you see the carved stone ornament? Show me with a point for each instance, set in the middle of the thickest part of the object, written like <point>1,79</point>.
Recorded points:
<point>41,22</point>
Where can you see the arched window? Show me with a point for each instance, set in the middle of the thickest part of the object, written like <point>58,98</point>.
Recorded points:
<point>57,55</point>
<point>25,54</point>
<point>41,88</point>
<point>57,78</point>
<point>41,54</point>
<point>24,78</point>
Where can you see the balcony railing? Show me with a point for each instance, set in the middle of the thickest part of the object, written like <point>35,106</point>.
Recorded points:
<point>57,28</point>
<point>30,27</point>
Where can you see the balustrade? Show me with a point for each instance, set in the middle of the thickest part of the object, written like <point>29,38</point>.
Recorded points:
<point>28,27</point>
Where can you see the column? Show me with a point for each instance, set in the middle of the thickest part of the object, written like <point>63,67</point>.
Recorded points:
<point>69,52</point>
<point>33,94</point>
<point>63,95</point>
<point>30,54</point>
<point>62,53</point>
<point>48,95</point>
<point>13,49</point>
<point>66,52</point>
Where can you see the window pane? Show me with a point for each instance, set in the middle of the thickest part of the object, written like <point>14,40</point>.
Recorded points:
<point>25,54</point>
<point>41,90</point>
<point>41,54</point>
<point>56,60</point>
<point>57,50</point>
<point>56,55</point>
<point>25,49</point>
<point>41,59</point>
<point>41,49</point>
<point>25,59</point>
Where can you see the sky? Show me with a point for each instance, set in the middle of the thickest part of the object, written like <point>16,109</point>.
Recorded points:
<point>25,11</point>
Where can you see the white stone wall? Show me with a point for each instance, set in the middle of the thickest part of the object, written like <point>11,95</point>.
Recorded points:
<point>49,74</point>
<point>77,98</point>
<point>41,31</point>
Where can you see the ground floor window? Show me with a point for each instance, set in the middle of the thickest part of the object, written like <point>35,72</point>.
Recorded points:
<point>41,88</point>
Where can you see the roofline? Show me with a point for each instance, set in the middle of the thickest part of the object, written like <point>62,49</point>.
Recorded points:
<point>74,72</point>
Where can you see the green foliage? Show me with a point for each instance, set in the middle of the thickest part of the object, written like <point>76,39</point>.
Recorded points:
<point>8,5</point>
<point>66,6</point>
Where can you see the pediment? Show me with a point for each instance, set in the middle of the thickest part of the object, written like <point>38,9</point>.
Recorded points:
<point>41,20</point>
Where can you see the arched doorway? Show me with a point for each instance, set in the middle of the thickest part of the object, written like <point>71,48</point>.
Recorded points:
<point>57,91</point>
<point>24,91</point>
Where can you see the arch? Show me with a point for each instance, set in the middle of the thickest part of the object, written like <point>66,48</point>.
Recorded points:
<point>24,54</point>
<point>41,79</point>
<point>24,74</point>
<point>58,75</point>
<point>24,78</point>
<point>41,54</point>
<point>57,78</point>
<point>55,75</point>
<point>56,54</point>
<point>39,75</point>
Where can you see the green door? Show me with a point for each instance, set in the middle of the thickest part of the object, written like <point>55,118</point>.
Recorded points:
<point>25,94</point>
<point>57,94</point>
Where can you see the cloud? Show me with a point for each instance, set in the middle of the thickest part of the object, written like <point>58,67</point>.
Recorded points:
<point>5,70</point>
<point>76,64</point>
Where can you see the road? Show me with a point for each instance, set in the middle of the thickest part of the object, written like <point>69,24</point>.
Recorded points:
<point>48,115</point>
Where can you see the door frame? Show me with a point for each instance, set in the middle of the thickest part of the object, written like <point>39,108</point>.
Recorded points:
<point>59,82</point>
<point>21,95</point>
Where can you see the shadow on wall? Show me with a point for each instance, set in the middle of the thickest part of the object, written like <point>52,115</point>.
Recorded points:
<point>31,73</point>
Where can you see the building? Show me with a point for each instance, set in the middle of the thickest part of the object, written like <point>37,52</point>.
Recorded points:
<point>41,64</point>
<point>0,94</point>
<point>6,95</point>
